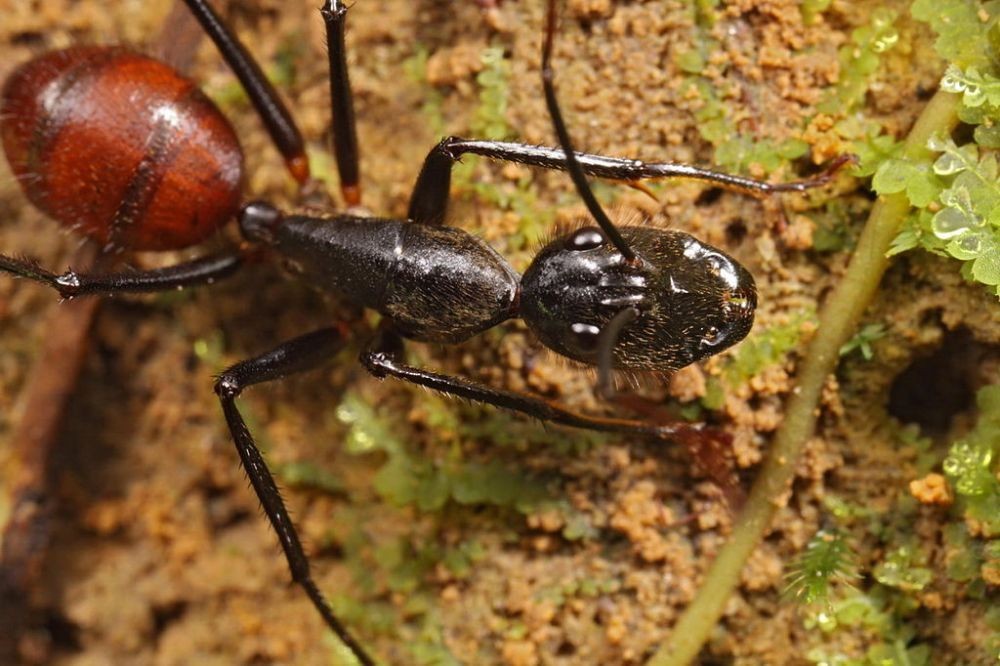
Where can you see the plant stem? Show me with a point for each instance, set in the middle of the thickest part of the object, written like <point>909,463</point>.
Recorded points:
<point>838,321</point>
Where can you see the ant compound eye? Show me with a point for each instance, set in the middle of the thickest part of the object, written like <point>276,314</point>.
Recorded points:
<point>585,336</point>
<point>585,239</point>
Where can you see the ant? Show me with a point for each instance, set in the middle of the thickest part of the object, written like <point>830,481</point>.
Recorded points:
<point>170,172</point>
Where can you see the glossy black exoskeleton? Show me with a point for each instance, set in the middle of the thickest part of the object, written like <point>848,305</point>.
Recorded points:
<point>440,284</point>
<point>632,298</point>
<point>693,300</point>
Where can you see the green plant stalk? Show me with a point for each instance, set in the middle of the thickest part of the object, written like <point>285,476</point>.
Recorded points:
<point>838,322</point>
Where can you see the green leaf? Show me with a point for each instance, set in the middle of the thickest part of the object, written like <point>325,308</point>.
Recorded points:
<point>432,491</point>
<point>917,180</point>
<point>955,220</point>
<point>986,267</point>
<point>987,136</point>
<point>872,150</point>
<point>892,175</point>
<point>923,187</point>
<point>907,239</point>
<point>960,28</point>
<point>396,481</point>
<point>900,570</point>
<point>691,62</point>
<point>976,89</point>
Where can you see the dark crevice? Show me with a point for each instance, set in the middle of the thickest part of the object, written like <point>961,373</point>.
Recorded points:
<point>64,634</point>
<point>708,196</point>
<point>736,232</point>
<point>935,388</point>
<point>167,614</point>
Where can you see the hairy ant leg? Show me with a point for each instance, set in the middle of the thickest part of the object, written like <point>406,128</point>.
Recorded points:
<point>430,195</point>
<point>272,111</point>
<point>278,121</point>
<point>297,355</point>
<point>384,357</point>
<point>343,127</point>
<point>204,270</point>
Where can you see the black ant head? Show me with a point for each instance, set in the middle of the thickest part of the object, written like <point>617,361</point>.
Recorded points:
<point>692,299</point>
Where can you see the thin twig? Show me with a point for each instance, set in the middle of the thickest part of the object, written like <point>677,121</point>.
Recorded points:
<point>26,534</point>
<point>837,323</point>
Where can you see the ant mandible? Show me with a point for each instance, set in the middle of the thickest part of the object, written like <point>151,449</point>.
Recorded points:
<point>127,151</point>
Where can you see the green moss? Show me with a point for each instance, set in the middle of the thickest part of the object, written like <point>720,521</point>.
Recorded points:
<point>973,463</point>
<point>408,479</point>
<point>886,609</point>
<point>763,348</point>
<point>398,567</point>
<point>903,568</point>
<point>303,474</point>
<point>833,232</point>
<point>827,560</point>
<point>489,121</point>
<point>963,553</point>
<point>460,559</point>
<point>862,341</point>
<point>859,61</point>
<point>877,614</point>
<point>415,69</point>
<point>578,588</point>
<point>926,456</point>
<point>735,151</point>
<point>503,430</point>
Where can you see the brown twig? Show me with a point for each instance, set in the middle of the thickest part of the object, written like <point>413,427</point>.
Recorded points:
<point>26,534</point>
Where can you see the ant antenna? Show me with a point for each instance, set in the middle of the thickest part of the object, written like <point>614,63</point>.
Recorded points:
<point>572,165</point>
<point>606,345</point>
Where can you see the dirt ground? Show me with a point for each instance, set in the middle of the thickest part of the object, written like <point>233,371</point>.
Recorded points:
<point>538,545</point>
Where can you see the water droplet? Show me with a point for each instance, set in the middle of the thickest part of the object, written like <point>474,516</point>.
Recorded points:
<point>951,222</point>
<point>885,41</point>
<point>948,164</point>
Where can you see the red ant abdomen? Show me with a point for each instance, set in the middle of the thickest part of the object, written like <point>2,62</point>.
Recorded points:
<point>121,148</point>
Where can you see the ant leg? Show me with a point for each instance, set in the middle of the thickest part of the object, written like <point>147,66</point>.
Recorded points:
<point>70,284</point>
<point>384,357</point>
<point>272,111</point>
<point>345,135</point>
<point>297,355</point>
<point>429,201</point>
